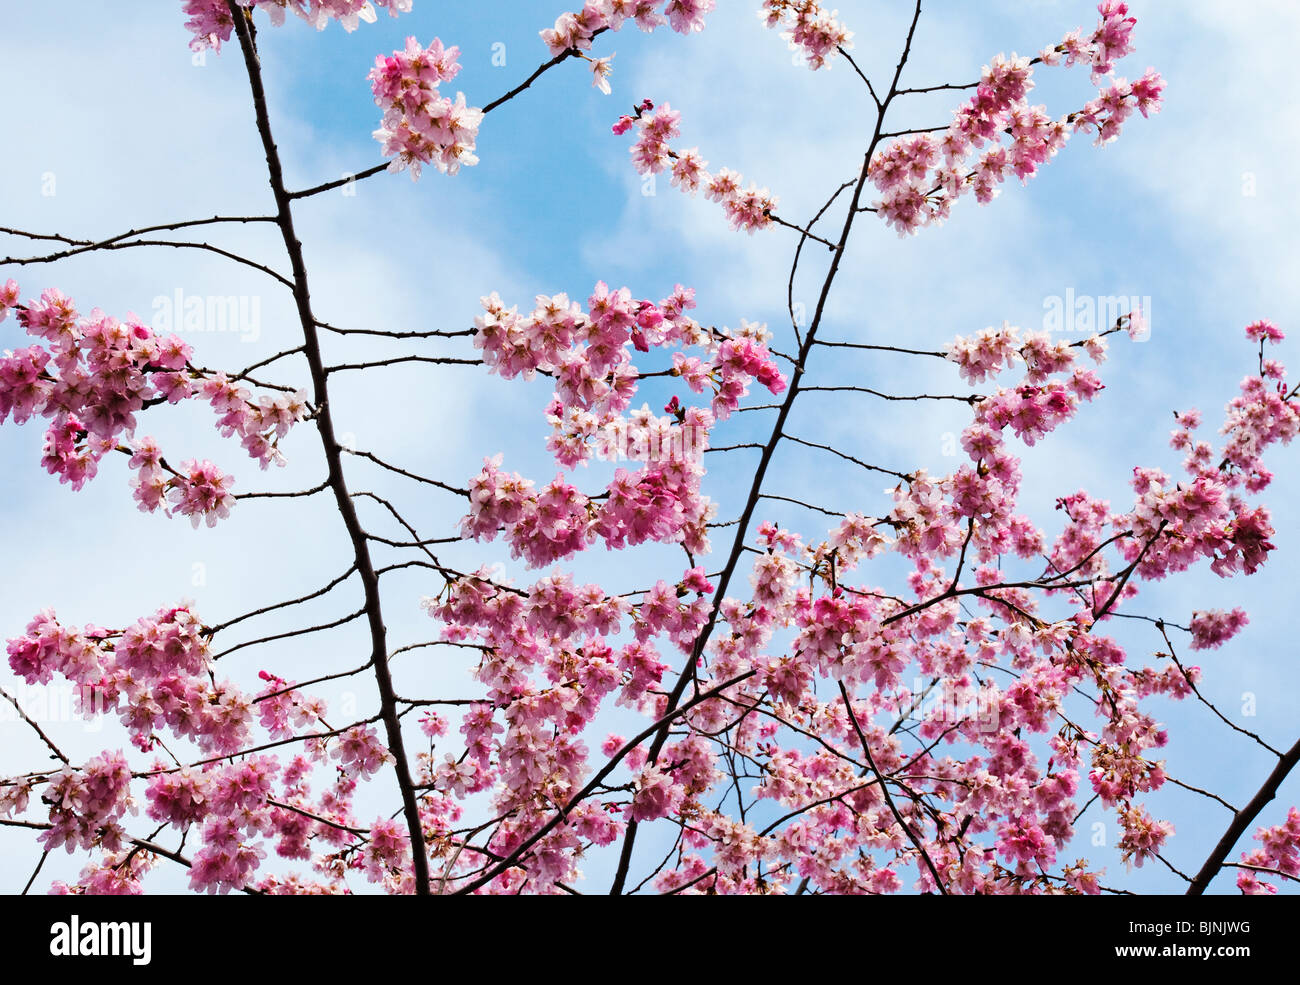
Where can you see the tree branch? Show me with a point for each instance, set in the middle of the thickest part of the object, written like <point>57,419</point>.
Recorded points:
<point>337,482</point>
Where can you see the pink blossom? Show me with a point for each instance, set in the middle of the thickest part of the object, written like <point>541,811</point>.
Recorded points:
<point>211,24</point>
<point>420,125</point>
<point>202,492</point>
<point>1143,836</point>
<point>1214,628</point>
<point>656,795</point>
<point>8,297</point>
<point>1259,331</point>
<point>814,32</point>
<point>359,751</point>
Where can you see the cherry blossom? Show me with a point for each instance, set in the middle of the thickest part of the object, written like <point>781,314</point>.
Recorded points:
<point>420,125</point>
<point>1214,628</point>
<point>574,32</point>
<point>746,207</point>
<point>814,32</point>
<point>92,378</point>
<point>211,24</point>
<point>1279,853</point>
<point>922,175</point>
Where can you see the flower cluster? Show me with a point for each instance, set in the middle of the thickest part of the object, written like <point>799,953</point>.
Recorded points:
<point>575,31</point>
<point>95,374</point>
<point>813,32</point>
<point>1110,41</point>
<point>118,874</point>
<point>1260,331</point>
<point>1279,854</point>
<point>200,490</point>
<point>661,502</point>
<point>588,354</point>
<point>1206,516</point>
<point>921,176</point>
<point>211,24</point>
<point>283,710</point>
<point>157,675</point>
<point>88,804</point>
<point>360,753</point>
<point>554,654</point>
<point>550,661</point>
<point>1214,628</point>
<point>420,124</point>
<point>387,854</point>
<point>1143,835</point>
<point>260,425</point>
<point>992,350</point>
<point>1039,403</point>
<point>748,208</point>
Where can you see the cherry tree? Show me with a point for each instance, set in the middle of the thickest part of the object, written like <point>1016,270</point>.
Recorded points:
<point>774,742</point>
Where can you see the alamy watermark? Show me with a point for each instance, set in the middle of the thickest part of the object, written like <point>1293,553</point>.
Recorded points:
<point>624,441</point>
<point>941,702</point>
<point>1083,315</point>
<point>192,314</point>
<point>55,703</point>
<point>102,939</point>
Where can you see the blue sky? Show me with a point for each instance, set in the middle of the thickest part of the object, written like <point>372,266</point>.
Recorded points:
<point>1195,209</point>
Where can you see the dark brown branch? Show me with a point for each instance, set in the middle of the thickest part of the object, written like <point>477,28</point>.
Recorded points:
<point>971,399</point>
<point>884,787</point>
<point>435,360</point>
<point>431,333</point>
<point>377,168</point>
<point>908,133</point>
<point>738,545</point>
<point>1205,701</point>
<point>286,495</point>
<point>848,458</point>
<point>90,244</point>
<point>884,348</point>
<point>862,75</point>
<point>40,864</point>
<point>800,502</point>
<point>35,727</point>
<point>798,252</point>
<point>336,676</point>
<point>176,244</point>
<point>807,233</point>
<point>337,481</point>
<point>1243,820</point>
<point>283,605</point>
<point>322,627</point>
<point>938,88</point>
<point>403,472</point>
